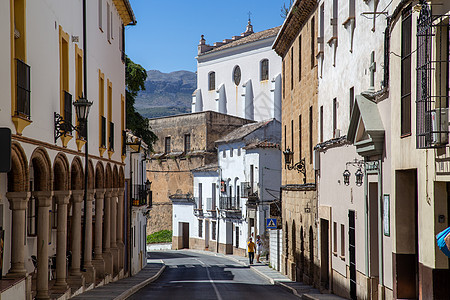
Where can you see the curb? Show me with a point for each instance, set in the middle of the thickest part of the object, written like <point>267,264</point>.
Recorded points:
<point>289,289</point>
<point>139,286</point>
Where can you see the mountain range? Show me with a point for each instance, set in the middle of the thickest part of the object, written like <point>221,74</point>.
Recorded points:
<point>166,94</point>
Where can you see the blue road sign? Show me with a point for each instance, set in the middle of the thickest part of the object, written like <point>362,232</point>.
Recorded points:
<point>271,223</point>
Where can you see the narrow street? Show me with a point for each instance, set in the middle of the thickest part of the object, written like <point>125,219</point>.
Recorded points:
<point>193,275</point>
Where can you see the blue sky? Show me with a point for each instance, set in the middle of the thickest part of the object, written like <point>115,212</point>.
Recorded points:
<point>167,32</point>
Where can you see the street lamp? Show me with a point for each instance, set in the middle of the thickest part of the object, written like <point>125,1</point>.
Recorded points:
<point>346,177</point>
<point>290,165</point>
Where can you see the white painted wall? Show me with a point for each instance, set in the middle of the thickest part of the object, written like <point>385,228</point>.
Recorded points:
<point>248,58</point>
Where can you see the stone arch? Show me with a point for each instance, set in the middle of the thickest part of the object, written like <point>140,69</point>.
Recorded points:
<point>77,174</point>
<point>99,176</point>
<point>19,173</point>
<point>61,175</point>
<point>121,177</point>
<point>108,177</point>
<point>115,177</point>
<point>40,162</point>
<point>91,178</point>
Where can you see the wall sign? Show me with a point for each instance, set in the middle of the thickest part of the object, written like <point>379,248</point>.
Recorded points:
<point>386,217</point>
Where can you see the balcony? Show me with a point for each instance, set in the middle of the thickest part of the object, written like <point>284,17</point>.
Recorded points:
<point>23,89</point>
<point>139,195</point>
<point>229,203</point>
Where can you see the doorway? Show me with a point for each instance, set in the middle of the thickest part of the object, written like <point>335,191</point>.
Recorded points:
<point>373,230</point>
<point>324,254</point>
<point>185,235</point>
<point>352,253</point>
<point>206,234</point>
<point>406,262</point>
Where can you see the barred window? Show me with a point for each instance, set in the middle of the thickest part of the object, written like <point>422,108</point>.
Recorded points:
<point>212,81</point>
<point>264,69</point>
<point>406,72</point>
<point>200,228</point>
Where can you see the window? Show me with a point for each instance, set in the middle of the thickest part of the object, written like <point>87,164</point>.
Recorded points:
<point>108,22</point>
<point>342,241</point>
<point>334,116</point>
<point>321,41</point>
<point>213,230</point>
<point>252,178</point>
<point>311,146</point>
<point>406,72</point>
<point>66,98</point>
<point>32,216</point>
<point>78,77</point>
<point>352,100</point>
<point>300,136</point>
<point>292,135</point>
<point>237,237</point>
<point>334,238</point>
<point>239,151</point>
<point>285,137</point>
<point>111,124</point>
<point>313,29</point>
<point>213,193</point>
<point>224,153</point>
<point>212,81</point>
<point>334,20</point>
<point>200,228</point>
<point>264,69</point>
<point>187,143</point>
<point>231,152</point>
<point>284,78</point>
<point>111,136</point>
<point>321,124</point>
<point>292,67</point>
<point>237,75</point>
<point>102,119</point>
<point>122,42</point>
<point>200,196</point>
<point>351,8</point>
<point>299,58</point>
<point>100,15</point>
<point>167,144</point>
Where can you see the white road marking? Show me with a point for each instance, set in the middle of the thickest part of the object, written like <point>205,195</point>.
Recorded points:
<point>210,280</point>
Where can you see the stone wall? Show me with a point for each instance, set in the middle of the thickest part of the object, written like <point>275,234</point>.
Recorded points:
<point>170,173</point>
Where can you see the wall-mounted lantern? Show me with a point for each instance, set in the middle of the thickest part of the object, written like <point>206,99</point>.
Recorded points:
<point>359,175</point>
<point>290,165</point>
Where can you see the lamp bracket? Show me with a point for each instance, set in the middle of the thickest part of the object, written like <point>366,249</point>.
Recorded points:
<point>63,127</point>
<point>357,163</point>
<point>299,167</point>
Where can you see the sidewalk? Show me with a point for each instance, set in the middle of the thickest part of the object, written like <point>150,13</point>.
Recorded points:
<point>299,289</point>
<point>126,287</point>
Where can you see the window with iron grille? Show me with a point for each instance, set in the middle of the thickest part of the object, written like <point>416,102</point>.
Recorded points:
<point>200,228</point>
<point>432,79</point>
<point>237,237</point>
<point>111,136</point>
<point>300,58</point>
<point>292,67</point>
<point>23,89</point>
<point>103,140</point>
<point>352,100</point>
<point>167,144</point>
<point>68,111</point>
<point>311,146</point>
<point>406,72</point>
<point>212,81</point>
<point>213,230</point>
<point>124,142</point>
<point>264,69</point>
<point>334,115</point>
<point>187,143</point>
<point>213,193</point>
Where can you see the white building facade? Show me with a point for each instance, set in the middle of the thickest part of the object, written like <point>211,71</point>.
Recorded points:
<point>47,64</point>
<point>231,200</point>
<point>240,76</point>
<point>353,135</point>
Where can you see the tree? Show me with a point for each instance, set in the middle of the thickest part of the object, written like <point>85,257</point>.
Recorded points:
<point>285,9</point>
<point>135,76</point>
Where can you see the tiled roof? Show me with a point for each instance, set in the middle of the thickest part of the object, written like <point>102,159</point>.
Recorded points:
<point>242,131</point>
<point>245,40</point>
<point>263,144</point>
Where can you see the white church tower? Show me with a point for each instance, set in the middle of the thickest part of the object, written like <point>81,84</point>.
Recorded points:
<point>240,76</point>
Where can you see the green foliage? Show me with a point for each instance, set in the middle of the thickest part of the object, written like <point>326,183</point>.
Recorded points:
<point>135,76</point>
<point>163,236</point>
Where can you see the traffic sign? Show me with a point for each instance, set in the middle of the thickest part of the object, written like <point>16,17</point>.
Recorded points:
<point>271,223</point>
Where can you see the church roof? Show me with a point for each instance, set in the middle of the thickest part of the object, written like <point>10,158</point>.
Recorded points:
<point>242,132</point>
<point>247,39</point>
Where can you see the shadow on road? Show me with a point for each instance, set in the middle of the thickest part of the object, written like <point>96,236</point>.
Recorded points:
<point>166,255</point>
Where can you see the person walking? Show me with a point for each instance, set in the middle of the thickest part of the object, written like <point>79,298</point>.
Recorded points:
<point>251,251</point>
<point>258,248</point>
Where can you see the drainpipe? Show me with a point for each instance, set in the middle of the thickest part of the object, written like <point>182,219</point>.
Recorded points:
<point>366,219</point>
<point>380,225</point>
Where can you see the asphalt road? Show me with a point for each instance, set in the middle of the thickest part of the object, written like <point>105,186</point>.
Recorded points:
<point>192,275</point>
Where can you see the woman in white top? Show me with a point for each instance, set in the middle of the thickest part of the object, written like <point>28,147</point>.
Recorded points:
<point>258,248</point>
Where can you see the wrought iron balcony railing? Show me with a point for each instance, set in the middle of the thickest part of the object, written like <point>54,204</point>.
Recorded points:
<point>229,203</point>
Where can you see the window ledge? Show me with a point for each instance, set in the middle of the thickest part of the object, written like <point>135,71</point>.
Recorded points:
<point>101,150</point>
<point>405,135</point>
<point>346,22</point>
<point>332,40</point>
<point>20,123</point>
<point>342,257</point>
<point>335,253</point>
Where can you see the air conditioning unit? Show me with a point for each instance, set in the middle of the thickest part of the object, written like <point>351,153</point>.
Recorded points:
<point>439,126</point>
<point>336,133</point>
